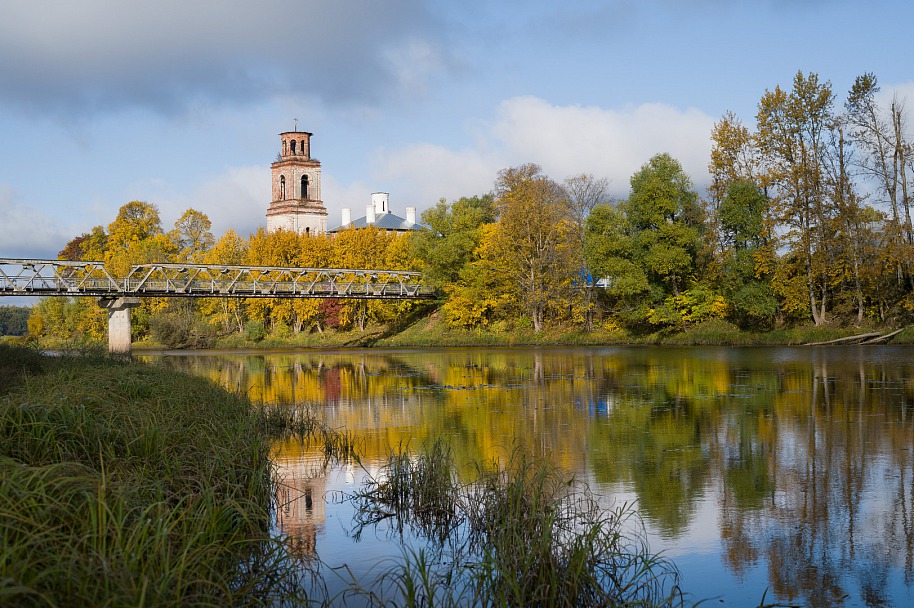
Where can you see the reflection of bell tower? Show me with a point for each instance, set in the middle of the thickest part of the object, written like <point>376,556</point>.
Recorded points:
<point>297,201</point>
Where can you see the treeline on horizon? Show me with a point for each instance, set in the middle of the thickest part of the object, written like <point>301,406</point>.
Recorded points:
<point>807,221</point>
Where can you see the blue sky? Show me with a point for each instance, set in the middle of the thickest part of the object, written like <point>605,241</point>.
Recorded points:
<point>179,103</point>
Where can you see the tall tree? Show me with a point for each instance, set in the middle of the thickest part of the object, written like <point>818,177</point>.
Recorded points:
<point>746,243</point>
<point>733,156</point>
<point>535,239</point>
<point>583,193</point>
<point>667,222</point>
<point>792,134</point>
<point>886,159</point>
<point>192,236</point>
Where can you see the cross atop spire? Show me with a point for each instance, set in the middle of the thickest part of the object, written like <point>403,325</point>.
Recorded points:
<point>295,121</point>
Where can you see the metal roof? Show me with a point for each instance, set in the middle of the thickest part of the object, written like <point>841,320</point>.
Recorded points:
<point>384,221</point>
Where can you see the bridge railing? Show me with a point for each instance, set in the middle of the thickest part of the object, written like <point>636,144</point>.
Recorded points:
<point>87,278</point>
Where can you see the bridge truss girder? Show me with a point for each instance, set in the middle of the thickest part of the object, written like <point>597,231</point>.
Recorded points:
<point>22,277</point>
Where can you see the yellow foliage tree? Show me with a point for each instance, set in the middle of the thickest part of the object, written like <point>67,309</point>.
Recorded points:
<point>226,313</point>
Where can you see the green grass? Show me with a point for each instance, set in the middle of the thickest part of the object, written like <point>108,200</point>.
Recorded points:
<point>433,331</point>
<point>123,485</point>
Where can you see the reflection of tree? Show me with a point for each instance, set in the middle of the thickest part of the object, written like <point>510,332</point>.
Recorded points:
<point>819,522</point>
<point>808,451</point>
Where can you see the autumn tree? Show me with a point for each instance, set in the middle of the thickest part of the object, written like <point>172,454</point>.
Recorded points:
<point>191,236</point>
<point>885,159</point>
<point>483,294</point>
<point>278,248</point>
<point>734,156</point>
<point>793,131</point>
<point>136,237</point>
<point>89,246</point>
<point>535,240</point>
<point>225,313</point>
<point>855,269</point>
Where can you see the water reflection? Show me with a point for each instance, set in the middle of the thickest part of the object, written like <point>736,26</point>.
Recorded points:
<point>796,462</point>
<point>300,505</point>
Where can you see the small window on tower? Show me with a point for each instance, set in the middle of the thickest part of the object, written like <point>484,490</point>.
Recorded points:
<point>304,187</point>
<point>282,187</point>
<point>284,147</point>
<point>293,147</point>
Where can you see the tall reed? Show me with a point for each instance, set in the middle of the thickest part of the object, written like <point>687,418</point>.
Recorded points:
<point>521,533</point>
<point>124,485</point>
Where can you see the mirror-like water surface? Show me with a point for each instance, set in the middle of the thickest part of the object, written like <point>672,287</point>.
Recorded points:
<point>790,469</point>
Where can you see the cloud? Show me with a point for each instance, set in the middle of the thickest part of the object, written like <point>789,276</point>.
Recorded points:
<point>419,174</point>
<point>237,199</point>
<point>568,140</point>
<point>168,55</point>
<point>28,232</point>
<point>902,93</point>
<point>563,140</point>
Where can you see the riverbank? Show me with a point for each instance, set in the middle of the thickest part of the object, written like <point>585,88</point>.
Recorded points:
<point>432,331</point>
<point>121,484</point>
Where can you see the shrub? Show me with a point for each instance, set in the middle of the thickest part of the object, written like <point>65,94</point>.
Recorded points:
<point>254,331</point>
<point>181,330</point>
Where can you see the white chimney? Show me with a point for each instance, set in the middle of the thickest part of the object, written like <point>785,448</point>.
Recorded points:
<point>410,215</point>
<point>347,217</point>
<point>369,214</point>
<point>379,200</point>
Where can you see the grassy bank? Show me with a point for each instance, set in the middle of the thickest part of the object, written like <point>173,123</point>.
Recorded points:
<point>433,331</point>
<point>124,485</point>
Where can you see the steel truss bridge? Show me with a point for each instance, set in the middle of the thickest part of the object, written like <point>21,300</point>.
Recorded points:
<point>21,277</point>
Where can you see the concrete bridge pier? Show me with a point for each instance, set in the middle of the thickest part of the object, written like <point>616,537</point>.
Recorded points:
<point>119,323</point>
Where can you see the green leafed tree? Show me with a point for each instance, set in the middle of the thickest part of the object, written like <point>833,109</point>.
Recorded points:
<point>647,249</point>
<point>453,232</point>
<point>746,246</point>
<point>667,222</point>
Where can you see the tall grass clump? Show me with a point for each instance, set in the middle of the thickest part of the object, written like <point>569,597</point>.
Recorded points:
<point>301,422</point>
<point>126,485</point>
<point>419,490</point>
<point>521,533</point>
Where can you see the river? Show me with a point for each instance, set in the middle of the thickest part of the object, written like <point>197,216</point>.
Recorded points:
<point>786,469</point>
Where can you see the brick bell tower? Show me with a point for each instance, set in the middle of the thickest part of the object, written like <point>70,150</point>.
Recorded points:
<point>296,201</point>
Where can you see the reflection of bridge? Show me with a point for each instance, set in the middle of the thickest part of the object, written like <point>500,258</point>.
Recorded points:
<point>21,277</point>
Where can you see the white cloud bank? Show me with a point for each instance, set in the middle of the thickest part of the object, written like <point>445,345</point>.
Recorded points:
<point>563,140</point>
<point>27,232</point>
<point>238,200</point>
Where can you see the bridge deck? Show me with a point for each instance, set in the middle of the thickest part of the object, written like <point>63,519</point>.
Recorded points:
<point>21,277</point>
